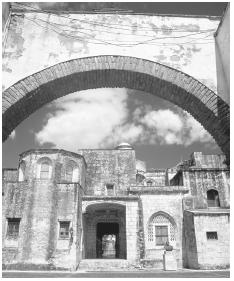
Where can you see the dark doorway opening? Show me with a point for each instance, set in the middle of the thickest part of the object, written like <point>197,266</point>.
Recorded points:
<point>107,240</point>
<point>213,198</point>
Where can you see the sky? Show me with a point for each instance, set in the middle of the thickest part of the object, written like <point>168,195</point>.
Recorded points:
<point>161,133</point>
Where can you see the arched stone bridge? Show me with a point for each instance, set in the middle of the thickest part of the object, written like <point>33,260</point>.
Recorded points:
<point>29,94</point>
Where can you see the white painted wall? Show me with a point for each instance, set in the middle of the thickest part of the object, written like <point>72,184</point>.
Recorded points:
<point>32,45</point>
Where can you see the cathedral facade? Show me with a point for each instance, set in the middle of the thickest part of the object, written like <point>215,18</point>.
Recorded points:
<point>103,208</point>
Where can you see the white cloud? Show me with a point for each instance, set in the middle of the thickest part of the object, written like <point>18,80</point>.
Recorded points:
<point>85,119</point>
<point>12,135</point>
<point>196,132</point>
<point>126,133</point>
<point>101,119</point>
<point>171,128</point>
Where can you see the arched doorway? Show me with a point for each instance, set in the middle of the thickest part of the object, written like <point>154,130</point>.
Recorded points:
<point>31,93</point>
<point>104,227</point>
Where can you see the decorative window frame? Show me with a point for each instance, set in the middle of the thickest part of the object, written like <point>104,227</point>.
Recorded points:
<point>7,235</point>
<point>75,171</point>
<point>151,230</point>
<point>70,226</point>
<point>39,164</point>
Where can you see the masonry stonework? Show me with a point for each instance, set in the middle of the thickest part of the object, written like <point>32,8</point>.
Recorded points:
<point>64,210</point>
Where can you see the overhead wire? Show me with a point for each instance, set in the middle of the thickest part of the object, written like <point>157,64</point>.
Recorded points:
<point>110,24</point>
<point>153,37</point>
<point>115,44</point>
<point>55,28</point>
<point>61,32</point>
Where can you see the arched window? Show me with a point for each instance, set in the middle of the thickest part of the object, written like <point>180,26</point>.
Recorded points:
<point>69,173</point>
<point>161,229</point>
<point>72,173</point>
<point>213,198</point>
<point>22,168</point>
<point>45,168</point>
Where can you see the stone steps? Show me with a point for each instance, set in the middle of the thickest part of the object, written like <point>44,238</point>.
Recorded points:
<point>103,264</point>
<point>152,263</point>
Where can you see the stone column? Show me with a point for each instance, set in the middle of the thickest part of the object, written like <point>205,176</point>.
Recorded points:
<point>131,231</point>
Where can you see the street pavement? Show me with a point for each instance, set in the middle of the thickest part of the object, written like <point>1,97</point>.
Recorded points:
<point>119,274</point>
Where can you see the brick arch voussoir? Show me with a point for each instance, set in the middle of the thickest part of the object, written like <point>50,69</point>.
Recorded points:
<point>26,96</point>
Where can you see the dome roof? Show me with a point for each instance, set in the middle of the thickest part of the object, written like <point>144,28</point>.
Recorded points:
<point>124,145</point>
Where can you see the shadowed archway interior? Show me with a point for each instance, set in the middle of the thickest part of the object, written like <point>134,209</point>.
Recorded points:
<point>29,94</point>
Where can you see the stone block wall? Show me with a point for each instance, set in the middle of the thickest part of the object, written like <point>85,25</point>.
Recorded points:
<point>129,225</point>
<point>190,259</point>
<point>109,167</point>
<point>201,160</point>
<point>212,253</point>
<point>201,252</point>
<point>170,204</point>
<point>132,228</point>
<point>201,180</point>
<point>40,204</point>
<point>157,177</point>
<point>202,173</point>
<point>9,175</point>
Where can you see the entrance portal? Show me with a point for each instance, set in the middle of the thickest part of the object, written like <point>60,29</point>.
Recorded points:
<point>107,245</point>
<point>105,231</point>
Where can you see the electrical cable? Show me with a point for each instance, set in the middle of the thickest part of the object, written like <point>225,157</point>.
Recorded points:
<point>165,37</point>
<point>109,43</point>
<point>103,25</point>
<point>124,44</point>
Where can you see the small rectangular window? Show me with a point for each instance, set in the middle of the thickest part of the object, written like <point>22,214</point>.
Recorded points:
<point>64,229</point>
<point>161,233</point>
<point>212,235</point>
<point>13,227</point>
<point>110,189</point>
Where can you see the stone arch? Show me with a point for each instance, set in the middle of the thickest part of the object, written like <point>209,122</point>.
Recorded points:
<point>29,94</point>
<point>101,205</point>
<point>98,220</point>
<point>164,219</point>
<point>169,217</point>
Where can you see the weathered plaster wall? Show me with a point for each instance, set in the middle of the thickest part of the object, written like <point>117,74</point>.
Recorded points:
<point>157,177</point>
<point>222,48</point>
<point>35,42</point>
<point>41,204</point>
<point>200,160</point>
<point>200,181</point>
<point>109,167</point>
<point>204,172</point>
